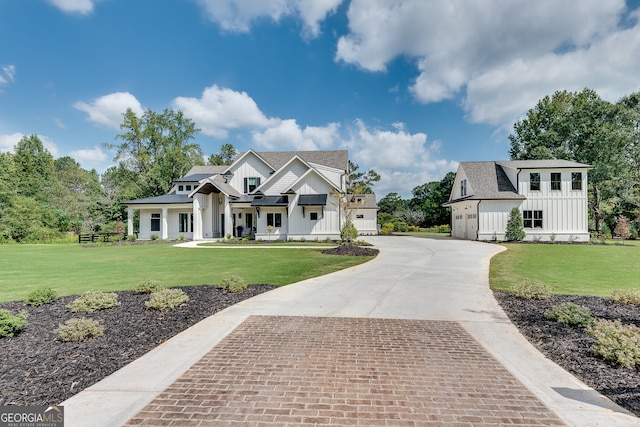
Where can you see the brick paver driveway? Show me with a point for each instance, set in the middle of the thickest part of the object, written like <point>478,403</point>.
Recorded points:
<point>292,371</point>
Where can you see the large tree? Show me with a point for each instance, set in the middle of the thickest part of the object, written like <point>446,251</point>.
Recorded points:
<point>361,182</point>
<point>226,156</point>
<point>155,150</point>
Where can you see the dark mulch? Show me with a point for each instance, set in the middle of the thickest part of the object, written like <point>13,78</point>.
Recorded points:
<point>570,347</point>
<point>37,368</point>
<point>353,250</point>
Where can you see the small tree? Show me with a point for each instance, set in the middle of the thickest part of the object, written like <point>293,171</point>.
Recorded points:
<point>515,226</point>
<point>622,228</point>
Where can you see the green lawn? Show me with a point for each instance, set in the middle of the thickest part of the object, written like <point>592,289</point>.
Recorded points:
<point>569,269</point>
<point>265,243</point>
<point>71,269</point>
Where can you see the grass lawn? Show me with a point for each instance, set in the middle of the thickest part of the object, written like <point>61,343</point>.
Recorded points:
<point>569,269</point>
<point>71,269</point>
<point>266,243</point>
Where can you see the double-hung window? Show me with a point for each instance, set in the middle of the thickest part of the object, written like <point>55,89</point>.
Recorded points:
<point>274,220</point>
<point>250,184</point>
<point>532,219</point>
<point>155,222</point>
<point>534,181</point>
<point>576,180</point>
<point>556,179</point>
<point>185,222</point>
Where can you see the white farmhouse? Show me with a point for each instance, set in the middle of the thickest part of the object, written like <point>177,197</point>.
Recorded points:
<point>268,195</point>
<point>550,194</point>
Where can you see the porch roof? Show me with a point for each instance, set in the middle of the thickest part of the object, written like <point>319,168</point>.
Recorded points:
<point>271,201</point>
<point>160,200</point>
<point>312,200</point>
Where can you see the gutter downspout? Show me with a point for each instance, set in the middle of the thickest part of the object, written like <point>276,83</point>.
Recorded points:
<point>478,220</point>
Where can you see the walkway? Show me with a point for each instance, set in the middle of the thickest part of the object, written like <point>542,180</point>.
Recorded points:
<point>412,338</point>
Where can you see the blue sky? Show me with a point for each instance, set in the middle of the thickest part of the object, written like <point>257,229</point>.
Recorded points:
<point>410,88</point>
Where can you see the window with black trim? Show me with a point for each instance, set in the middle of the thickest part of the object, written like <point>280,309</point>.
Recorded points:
<point>180,187</point>
<point>313,216</point>
<point>359,216</point>
<point>556,179</point>
<point>251,183</point>
<point>463,188</point>
<point>188,187</point>
<point>534,181</point>
<point>576,180</point>
<point>274,220</point>
<point>155,222</point>
<point>185,224</point>
<point>532,219</point>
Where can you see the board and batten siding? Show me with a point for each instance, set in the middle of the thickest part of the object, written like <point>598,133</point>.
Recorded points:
<point>492,218</point>
<point>251,167</point>
<point>281,182</point>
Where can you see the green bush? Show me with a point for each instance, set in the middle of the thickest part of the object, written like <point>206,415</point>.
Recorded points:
<point>93,301</point>
<point>570,314</point>
<point>531,289</point>
<point>80,329</point>
<point>515,226</point>
<point>626,296</point>
<point>348,232</point>
<point>10,324</point>
<point>414,228</point>
<point>401,226</point>
<point>233,283</point>
<point>387,228</point>
<point>148,286</point>
<point>40,296</point>
<point>154,237</point>
<point>131,237</point>
<point>167,299</point>
<point>616,342</point>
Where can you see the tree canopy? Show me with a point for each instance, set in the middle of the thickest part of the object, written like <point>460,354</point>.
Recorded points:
<point>361,182</point>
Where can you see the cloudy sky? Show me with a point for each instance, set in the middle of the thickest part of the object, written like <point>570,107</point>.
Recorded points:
<point>410,88</point>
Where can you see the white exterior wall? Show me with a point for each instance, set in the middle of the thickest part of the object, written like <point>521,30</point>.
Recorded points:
<point>336,176</point>
<point>279,232</point>
<point>171,221</point>
<point>328,223</point>
<point>368,224</point>
<point>251,167</point>
<point>492,218</point>
<point>284,178</point>
<point>455,191</point>
<point>464,219</point>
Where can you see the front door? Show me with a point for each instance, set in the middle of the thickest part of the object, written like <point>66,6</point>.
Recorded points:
<point>248,223</point>
<point>222,225</point>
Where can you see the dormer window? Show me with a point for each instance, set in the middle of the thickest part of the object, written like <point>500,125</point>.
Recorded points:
<point>180,187</point>
<point>250,184</point>
<point>188,187</point>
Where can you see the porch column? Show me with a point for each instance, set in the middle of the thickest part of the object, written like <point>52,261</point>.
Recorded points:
<point>129,221</point>
<point>165,223</point>
<point>197,218</point>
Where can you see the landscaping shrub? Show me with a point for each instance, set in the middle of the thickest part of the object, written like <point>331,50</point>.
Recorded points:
<point>166,299</point>
<point>570,314</point>
<point>348,232</point>
<point>531,289</point>
<point>626,296</point>
<point>80,329</point>
<point>616,342</point>
<point>154,237</point>
<point>131,238</point>
<point>387,228</point>
<point>11,324</point>
<point>401,226</point>
<point>93,301</point>
<point>515,226</point>
<point>40,296</point>
<point>233,283</point>
<point>148,286</point>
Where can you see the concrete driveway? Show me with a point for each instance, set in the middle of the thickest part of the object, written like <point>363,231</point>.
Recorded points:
<point>412,278</point>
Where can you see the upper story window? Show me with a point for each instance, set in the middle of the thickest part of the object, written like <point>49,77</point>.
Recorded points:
<point>576,180</point>
<point>463,188</point>
<point>180,187</point>
<point>251,183</point>
<point>556,178</point>
<point>534,181</point>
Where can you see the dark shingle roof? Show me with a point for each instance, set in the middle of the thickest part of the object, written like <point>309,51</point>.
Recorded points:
<point>193,178</point>
<point>368,201</point>
<point>541,164</point>
<point>488,181</point>
<point>338,159</point>
<point>164,199</point>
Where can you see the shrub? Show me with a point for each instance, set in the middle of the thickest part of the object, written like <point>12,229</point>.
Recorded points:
<point>80,329</point>
<point>401,226</point>
<point>387,228</point>
<point>40,296</point>
<point>131,237</point>
<point>10,324</point>
<point>148,286</point>
<point>626,296</point>
<point>348,232</point>
<point>616,342</point>
<point>414,228</point>
<point>570,314</point>
<point>233,283</point>
<point>166,299</point>
<point>93,301</point>
<point>154,237</point>
<point>515,226</point>
<point>531,289</point>
<point>181,236</point>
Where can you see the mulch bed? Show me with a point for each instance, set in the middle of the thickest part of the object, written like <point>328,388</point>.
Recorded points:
<point>353,250</point>
<point>570,347</point>
<point>37,368</point>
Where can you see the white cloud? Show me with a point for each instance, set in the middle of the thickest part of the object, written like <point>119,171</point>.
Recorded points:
<point>90,156</point>
<point>221,109</point>
<point>107,110</point>
<point>499,56</point>
<point>238,15</point>
<point>82,7</point>
<point>402,159</point>
<point>287,134</point>
<point>8,143</point>
<point>8,74</point>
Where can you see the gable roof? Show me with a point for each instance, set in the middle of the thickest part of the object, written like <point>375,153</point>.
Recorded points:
<point>488,181</point>
<point>368,201</point>
<point>338,159</point>
<point>171,198</point>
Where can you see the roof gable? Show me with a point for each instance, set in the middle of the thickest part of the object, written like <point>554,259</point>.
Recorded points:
<point>485,180</point>
<point>286,169</point>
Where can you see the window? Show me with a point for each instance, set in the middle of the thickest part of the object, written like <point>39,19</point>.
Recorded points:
<point>188,188</point>
<point>532,219</point>
<point>274,220</point>
<point>155,222</point>
<point>183,223</point>
<point>180,187</point>
<point>556,177</point>
<point>359,216</point>
<point>463,188</point>
<point>250,184</point>
<point>313,216</point>
<point>534,181</point>
<point>576,180</point>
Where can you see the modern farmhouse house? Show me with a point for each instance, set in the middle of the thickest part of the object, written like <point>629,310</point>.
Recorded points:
<point>551,196</point>
<point>271,195</point>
